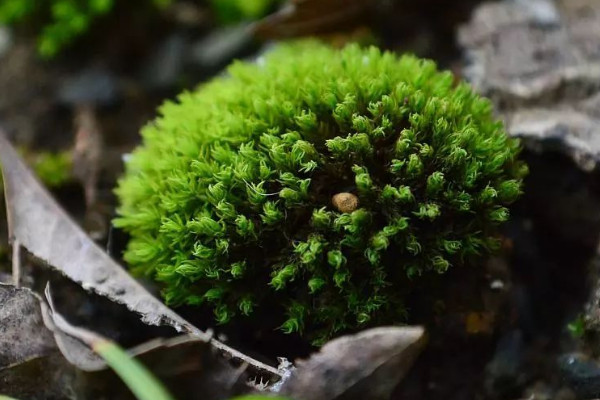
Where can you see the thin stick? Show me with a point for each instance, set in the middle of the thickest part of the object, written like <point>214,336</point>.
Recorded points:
<point>16,263</point>
<point>236,355</point>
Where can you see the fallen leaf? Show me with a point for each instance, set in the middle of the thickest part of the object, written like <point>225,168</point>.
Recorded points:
<point>307,17</point>
<point>22,333</point>
<point>31,367</point>
<point>186,365</point>
<point>47,232</point>
<point>368,365</point>
<point>41,226</point>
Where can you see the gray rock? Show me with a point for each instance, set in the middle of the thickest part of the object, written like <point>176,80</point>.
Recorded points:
<point>166,64</point>
<point>220,46</point>
<point>582,374</point>
<point>503,372</point>
<point>94,86</point>
<point>5,40</point>
<point>539,62</point>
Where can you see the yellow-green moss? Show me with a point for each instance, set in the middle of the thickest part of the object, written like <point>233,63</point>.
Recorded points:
<point>228,200</point>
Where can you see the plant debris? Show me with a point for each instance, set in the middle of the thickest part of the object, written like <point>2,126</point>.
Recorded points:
<point>368,365</point>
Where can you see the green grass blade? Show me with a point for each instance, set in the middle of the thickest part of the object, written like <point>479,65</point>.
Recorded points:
<point>137,378</point>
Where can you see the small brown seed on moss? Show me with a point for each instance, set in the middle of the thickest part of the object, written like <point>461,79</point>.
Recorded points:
<point>345,202</point>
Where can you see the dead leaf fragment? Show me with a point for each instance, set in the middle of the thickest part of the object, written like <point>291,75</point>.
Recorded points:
<point>308,17</point>
<point>22,333</point>
<point>43,228</point>
<point>368,365</point>
<point>31,367</point>
<point>187,365</point>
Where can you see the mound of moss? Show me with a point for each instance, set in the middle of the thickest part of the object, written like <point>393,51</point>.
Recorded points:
<point>314,186</point>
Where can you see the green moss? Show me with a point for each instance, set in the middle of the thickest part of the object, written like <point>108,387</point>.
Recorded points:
<point>229,199</point>
<point>577,327</point>
<point>234,11</point>
<point>53,169</point>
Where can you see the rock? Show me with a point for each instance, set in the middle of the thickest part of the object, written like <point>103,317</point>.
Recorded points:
<point>582,374</point>
<point>92,86</point>
<point>220,47</point>
<point>166,64</point>
<point>541,390</point>
<point>503,372</point>
<point>5,40</point>
<point>541,68</point>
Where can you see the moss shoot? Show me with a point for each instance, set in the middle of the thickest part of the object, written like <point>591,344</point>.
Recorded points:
<point>314,185</point>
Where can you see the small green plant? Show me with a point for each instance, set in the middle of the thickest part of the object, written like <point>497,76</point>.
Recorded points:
<point>309,189</point>
<point>577,327</point>
<point>232,11</point>
<point>54,169</point>
<point>66,19</point>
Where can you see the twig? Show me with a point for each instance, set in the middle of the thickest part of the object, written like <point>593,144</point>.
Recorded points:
<point>237,355</point>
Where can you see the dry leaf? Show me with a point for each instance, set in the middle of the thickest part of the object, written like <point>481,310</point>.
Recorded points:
<point>22,333</point>
<point>31,367</point>
<point>368,365</point>
<point>186,365</point>
<point>43,228</point>
<point>307,17</point>
<point>38,223</point>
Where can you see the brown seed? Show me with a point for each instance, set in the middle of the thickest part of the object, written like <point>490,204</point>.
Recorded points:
<point>345,202</point>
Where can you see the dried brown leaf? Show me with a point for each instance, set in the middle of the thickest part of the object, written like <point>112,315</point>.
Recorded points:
<point>308,17</point>
<point>368,365</point>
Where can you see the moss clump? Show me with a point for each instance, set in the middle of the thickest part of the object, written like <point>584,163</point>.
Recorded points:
<point>229,199</point>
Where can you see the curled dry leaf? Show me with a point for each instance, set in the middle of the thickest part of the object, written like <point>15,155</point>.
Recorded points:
<point>31,367</point>
<point>368,365</point>
<point>22,333</point>
<point>187,365</point>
